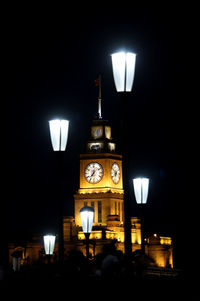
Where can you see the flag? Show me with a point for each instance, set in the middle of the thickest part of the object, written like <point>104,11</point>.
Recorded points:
<point>96,82</point>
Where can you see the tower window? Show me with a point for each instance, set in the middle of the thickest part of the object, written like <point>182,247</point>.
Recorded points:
<point>99,212</point>
<point>92,205</point>
<point>115,207</point>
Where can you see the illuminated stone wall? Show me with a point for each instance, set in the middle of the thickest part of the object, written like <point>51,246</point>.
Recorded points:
<point>69,228</point>
<point>111,204</point>
<point>160,249</point>
<point>106,183</point>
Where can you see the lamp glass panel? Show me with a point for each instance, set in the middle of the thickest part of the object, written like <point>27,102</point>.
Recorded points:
<point>118,65</point>
<point>145,189</point>
<point>137,189</point>
<point>130,70</point>
<point>54,126</point>
<point>64,125</point>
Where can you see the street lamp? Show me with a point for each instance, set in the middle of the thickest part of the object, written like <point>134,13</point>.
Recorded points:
<point>49,243</point>
<point>141,188</point>
<point>123,65</point>
<point>59,135</point>
<point>87,218</point>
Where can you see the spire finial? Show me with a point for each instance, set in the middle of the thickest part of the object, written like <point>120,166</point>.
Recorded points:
<point>98,83</point>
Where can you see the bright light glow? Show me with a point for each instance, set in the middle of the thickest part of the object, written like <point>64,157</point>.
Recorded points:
<point>87,218</point>
<point>49,243</point>
<point>141,187</point>
<point>123,70</point>
<point>59,134</point>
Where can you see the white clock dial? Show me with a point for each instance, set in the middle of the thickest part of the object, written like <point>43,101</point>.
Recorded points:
<point>115,173</point>
<point>93,172</point>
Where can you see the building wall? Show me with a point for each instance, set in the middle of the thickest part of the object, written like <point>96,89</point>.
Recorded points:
<point>111,203</point>
<point>158,248</point>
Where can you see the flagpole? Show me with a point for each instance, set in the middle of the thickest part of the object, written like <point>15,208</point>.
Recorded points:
<point>99,98</point>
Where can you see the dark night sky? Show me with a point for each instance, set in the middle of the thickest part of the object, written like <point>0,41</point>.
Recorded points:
<point>52,62</point>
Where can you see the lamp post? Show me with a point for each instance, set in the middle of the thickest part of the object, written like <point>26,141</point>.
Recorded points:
<point>123,65</point>
<point>141,188</point>
<point>87,218</point>
<point>49,243</point>
<point>59,135</point>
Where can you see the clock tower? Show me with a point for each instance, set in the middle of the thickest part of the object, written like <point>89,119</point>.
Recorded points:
<point>100,177</point>
<point>101,183</point>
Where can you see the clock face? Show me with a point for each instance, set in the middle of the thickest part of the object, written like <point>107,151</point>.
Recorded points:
<point>93,172</point>
<point>115,173</point>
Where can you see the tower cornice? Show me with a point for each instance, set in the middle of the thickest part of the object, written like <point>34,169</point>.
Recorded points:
<point>101,155</point>
<point>84,196</point>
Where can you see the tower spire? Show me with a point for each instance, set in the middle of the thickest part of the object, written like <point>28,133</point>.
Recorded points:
<point>98,83</point>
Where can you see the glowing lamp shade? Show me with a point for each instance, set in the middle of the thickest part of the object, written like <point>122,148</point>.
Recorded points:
<point>87,218</point>
<point>141,187</point>
<point>49,243</point>
<point>123,65</point>
<point>59,134</point>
